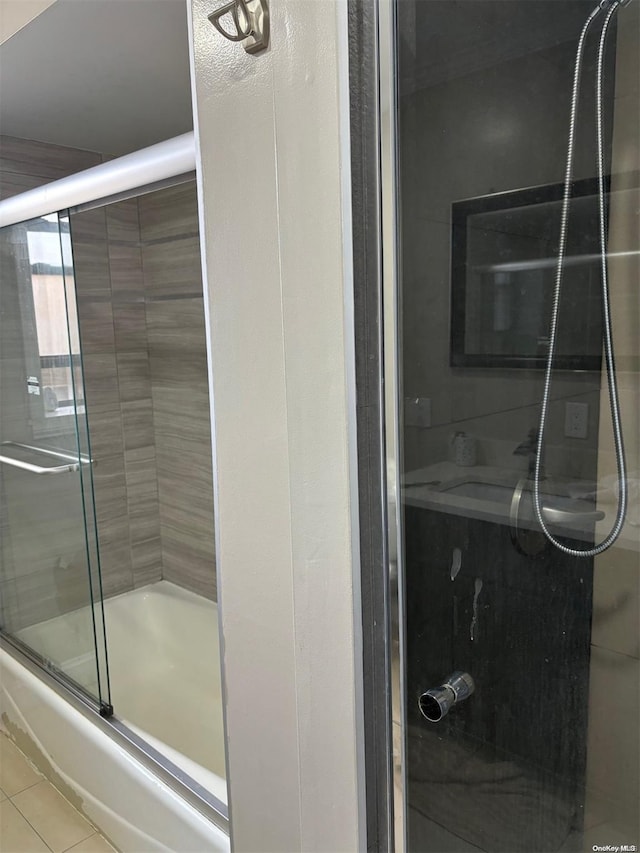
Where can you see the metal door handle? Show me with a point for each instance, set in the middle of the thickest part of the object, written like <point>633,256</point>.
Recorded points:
<point>36,469</point>
<point>73,463</point>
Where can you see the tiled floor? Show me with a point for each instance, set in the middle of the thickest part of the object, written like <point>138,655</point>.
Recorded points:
<point>34,816</point>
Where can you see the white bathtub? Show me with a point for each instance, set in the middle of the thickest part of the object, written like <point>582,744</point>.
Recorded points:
<point>163,645</point>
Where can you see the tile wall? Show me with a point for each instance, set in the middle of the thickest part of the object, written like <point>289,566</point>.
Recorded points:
<point>140,308</point>
<point>111,313</point>
<point>44,575</point>
<point>179,385</point>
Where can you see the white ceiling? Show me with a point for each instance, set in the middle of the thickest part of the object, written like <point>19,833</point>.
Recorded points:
<point>103,75</point>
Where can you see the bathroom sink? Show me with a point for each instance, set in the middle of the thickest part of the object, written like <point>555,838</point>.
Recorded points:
<point>556,508</point>
<point>480,491</point>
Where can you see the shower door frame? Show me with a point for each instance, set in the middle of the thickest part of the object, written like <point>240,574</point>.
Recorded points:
<point>372,105</point>
<point>161,165</point>
<point>391,378</point>
<point>393,392</point>
<point>79,461</point>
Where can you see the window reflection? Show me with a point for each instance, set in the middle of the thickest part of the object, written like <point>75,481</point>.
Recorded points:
<point>58,343</point>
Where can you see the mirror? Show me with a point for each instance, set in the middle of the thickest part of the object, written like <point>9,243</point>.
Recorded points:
<point>503,271</point>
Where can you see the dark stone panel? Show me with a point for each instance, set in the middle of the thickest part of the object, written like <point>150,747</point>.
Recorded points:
<point>502,770</point>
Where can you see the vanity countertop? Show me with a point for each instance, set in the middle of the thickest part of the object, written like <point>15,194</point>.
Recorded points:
<point>486,493</point>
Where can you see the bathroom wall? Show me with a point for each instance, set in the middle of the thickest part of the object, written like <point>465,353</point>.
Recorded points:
<point>272,136</point>
<point>139,286</point>
<point>142,327</point>
<point>179,385</point>
<point>44,575</point>
<point>486,114</point>
<point>111,313</point>
<point>613,774</point>
<point>25,164</point>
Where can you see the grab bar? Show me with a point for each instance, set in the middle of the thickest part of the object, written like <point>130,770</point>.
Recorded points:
<point>532,542</point>
<point>552,514</point>
<point>58,454</point>
<point>568,517</point>
<point>37,469</point>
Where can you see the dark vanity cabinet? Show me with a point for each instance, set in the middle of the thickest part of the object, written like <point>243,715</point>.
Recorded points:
<point>521,627</point>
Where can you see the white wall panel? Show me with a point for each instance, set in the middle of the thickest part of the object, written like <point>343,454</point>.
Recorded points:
<point>271,136</point>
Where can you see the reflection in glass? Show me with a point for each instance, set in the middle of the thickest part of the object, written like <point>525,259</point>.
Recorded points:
<point>59,350</point>
<point>503,269</point>
<point>50,591</point>
<point>545,754</point>
<point>113,497</point>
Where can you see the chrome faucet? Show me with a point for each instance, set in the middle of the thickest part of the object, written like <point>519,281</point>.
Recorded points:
<point>529,447</point>
<point>436,703</point>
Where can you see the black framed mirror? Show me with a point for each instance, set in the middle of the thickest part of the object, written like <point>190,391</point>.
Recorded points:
<point>503,268</point>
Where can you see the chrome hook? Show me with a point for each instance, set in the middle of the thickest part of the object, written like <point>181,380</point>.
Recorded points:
<point>251,22</point>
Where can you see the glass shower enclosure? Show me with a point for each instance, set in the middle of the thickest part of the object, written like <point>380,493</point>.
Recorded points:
<point>516,717</point>
<point>50,586</point>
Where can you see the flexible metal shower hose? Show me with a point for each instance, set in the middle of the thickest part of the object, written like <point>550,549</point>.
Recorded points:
<point>614,403</point>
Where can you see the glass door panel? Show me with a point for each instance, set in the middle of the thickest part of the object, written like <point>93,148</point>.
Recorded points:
<point>50,592</point>
<point>521,658</point>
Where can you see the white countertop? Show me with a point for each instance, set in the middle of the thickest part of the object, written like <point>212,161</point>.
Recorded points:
<point>438,487</point>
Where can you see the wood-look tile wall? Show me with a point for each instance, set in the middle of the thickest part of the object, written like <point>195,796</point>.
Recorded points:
<point>140,307</point>
<point>111,313</point>
<point>179,383</point>
<point>25,164</point>
<point>44,569</point>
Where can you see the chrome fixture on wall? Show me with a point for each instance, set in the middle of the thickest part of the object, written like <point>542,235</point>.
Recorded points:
<point>436,703</point>
<point>250,22</point>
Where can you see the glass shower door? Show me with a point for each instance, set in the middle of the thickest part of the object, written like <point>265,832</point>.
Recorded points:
<point>50,589</point>
<point>520,658</point>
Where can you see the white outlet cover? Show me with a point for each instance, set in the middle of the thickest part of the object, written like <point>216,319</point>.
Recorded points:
<point>576,420</point>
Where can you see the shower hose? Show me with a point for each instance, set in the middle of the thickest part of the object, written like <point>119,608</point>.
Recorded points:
<point>614,404</point>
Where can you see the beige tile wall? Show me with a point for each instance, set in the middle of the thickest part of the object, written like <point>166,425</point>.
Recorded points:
<point>145,373</point>
<point>25,164</point>
<point>179,382</point>
<point>44,574</point>
<point>109,286</point>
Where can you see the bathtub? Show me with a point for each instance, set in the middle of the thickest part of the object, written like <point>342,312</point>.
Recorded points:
<point>165,689</point>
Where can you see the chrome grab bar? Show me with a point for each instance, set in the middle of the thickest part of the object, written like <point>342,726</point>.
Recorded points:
<point>531,541</point>
<point>552,514</point>
<point>568,517</point>
<point>74,461</point>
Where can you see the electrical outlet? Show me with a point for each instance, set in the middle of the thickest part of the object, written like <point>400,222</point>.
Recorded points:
<point>576,420</point>
<point>417,412</point>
